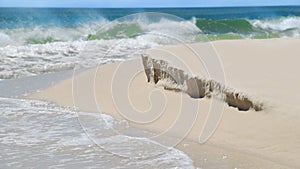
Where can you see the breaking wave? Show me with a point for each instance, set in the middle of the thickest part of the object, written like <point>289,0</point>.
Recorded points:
<point>37,49</point>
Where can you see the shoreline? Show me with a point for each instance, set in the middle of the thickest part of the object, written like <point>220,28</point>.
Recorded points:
<point>265,139</point>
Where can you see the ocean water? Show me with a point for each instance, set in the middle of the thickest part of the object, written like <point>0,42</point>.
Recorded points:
<point>36,41</point>
<point>36,134</point>
<point>39,41</point>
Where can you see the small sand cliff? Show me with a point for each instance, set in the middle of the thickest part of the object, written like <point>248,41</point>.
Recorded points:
<point>196,87</point>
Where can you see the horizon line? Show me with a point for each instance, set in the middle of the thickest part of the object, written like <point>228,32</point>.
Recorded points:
<point>154,7</point>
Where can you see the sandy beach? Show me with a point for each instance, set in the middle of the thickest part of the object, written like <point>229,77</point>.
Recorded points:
<point>263,71</point>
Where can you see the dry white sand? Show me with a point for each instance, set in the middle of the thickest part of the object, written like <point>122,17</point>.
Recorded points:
<point>265,70</point>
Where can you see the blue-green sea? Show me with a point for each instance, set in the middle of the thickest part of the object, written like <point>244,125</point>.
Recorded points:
<point>45,25</point>
<point>56,37</point>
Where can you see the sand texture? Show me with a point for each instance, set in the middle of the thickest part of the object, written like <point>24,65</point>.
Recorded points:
<point>170,90</point>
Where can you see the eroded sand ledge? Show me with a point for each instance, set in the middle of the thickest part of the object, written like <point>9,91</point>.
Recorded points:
<point>196,87</point>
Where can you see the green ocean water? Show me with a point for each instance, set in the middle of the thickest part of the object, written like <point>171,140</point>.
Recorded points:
<point>42,40</point>
<point>41,26</point>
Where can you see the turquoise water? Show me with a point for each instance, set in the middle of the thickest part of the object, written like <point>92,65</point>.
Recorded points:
<point>17,24</point>
<point>40,40</point>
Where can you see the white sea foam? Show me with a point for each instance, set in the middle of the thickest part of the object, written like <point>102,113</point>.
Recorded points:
<point>104,41</point>
<point>29,60</point>
<point>32,131</point>
<point>108,42</point>
<point>135,24</point>
<point>277,24</point>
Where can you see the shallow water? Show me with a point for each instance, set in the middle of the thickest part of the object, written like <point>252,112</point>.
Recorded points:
<point>40,134</point>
